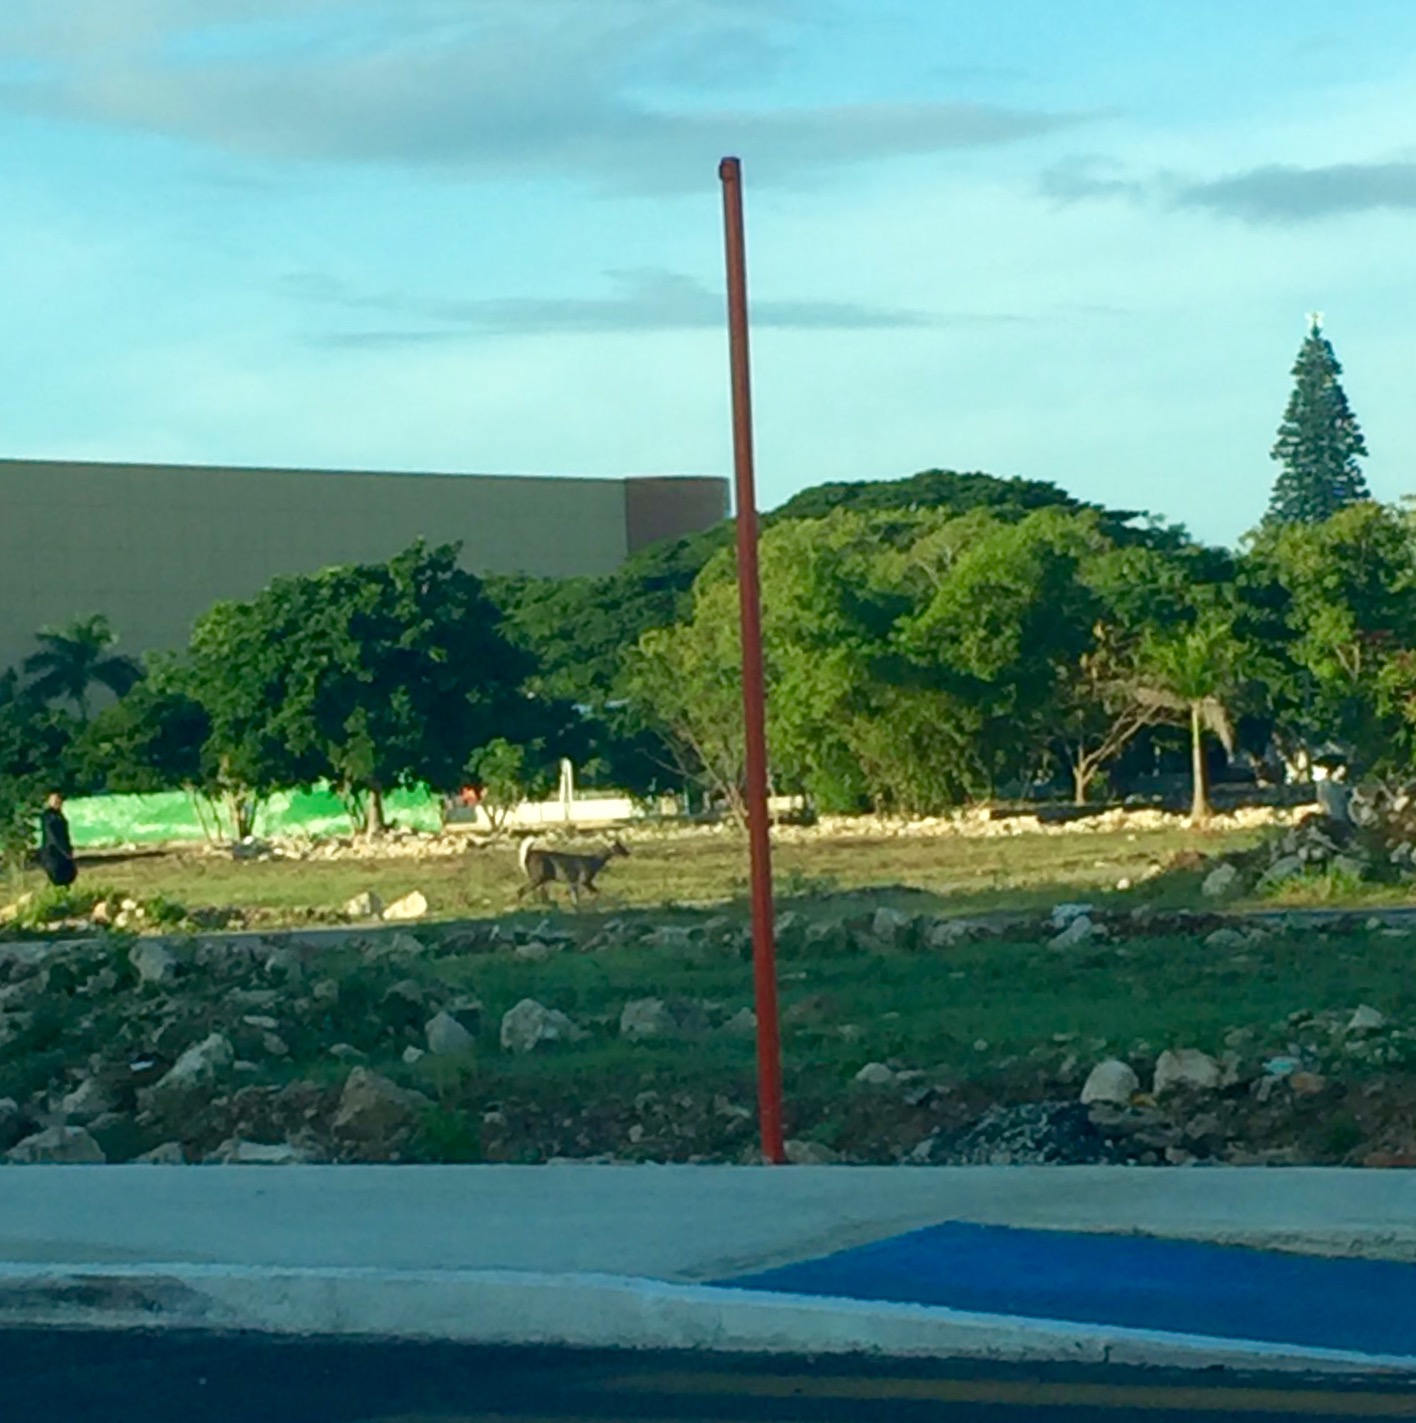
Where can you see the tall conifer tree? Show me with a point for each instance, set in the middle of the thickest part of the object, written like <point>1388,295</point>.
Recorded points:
<point>1318,442</point>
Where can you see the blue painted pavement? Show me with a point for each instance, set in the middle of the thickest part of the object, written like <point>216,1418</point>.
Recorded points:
<point>1139,1283</point>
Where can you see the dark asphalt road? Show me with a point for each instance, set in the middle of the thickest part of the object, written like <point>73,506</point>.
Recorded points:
<point>168,1378</point>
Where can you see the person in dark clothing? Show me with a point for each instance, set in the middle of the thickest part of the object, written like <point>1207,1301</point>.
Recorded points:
<point>56,850</point>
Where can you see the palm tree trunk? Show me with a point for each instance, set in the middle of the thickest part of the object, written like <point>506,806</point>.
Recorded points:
<point>1199,803</point>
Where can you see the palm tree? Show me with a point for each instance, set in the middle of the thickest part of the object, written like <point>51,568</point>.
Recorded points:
<point>1190,676</point>
<point>72,659</point>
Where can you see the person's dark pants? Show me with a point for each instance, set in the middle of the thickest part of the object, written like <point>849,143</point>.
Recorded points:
<point>60,869</point>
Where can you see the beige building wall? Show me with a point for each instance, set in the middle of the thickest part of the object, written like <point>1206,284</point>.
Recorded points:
<point>153,546</point>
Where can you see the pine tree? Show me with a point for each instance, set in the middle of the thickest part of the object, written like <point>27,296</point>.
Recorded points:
<point>1318,442</point>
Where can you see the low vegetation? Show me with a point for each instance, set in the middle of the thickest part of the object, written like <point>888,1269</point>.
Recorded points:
<point>707,867</point>
<point>955,1017</point>
<point>928,967</point>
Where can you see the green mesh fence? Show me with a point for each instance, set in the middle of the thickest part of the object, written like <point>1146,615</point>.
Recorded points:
<point>149,819</point>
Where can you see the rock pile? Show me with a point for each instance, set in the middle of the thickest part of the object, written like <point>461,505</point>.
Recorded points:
<point>397,843</point>
<point>1052,1133</point>
<point>1198,1107</point>
<point>981,822</point>
<point>112,1049</point>
<point>1376,843</point>
<point>974,822</point>
<point>373,1047</point>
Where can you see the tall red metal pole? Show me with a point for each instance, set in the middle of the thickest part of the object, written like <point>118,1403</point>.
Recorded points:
<point>769,1047</point>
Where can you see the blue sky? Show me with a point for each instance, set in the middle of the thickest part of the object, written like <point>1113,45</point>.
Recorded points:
<point>1072,241</point>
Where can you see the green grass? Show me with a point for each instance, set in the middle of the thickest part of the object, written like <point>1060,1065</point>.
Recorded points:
<point>964,874</point>
<point>955,874</point>
<point>1335,889</point>
<point>1029,1006</point>
<point>844,1008</point>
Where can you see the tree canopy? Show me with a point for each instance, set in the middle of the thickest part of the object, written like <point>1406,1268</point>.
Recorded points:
<point>370,676</point>
<point>915,657</point>
<point>72,660</point>
<point>580,630</point>
<point>942,490</point>
<point>1340,600</point>
<point>1318,442</point>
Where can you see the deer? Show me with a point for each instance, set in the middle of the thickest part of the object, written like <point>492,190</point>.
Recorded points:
<point>576,872</point>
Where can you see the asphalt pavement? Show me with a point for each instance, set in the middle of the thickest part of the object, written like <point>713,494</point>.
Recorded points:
<point>214,1378</point>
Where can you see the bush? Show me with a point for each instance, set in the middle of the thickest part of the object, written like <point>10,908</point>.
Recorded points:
<point>507,776</point>
<point>448,1136</point>
<point>55,902</point>
<point>1317,885</point>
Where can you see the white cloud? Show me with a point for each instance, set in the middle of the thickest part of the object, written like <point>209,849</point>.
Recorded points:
<point>1290,193</point>
<point>1299,156</point>
<point>643,300</point>
<point>486,88</point>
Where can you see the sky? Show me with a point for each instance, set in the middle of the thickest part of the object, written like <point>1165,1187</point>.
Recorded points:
<point>1069,241</point>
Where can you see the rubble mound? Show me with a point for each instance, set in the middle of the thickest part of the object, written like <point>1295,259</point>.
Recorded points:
<point>1377,845</point>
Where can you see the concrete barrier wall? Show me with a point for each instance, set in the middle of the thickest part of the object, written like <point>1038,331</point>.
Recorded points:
<point>153,546</point>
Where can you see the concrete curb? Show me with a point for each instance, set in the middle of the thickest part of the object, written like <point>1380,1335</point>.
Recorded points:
<point>502,1307</point>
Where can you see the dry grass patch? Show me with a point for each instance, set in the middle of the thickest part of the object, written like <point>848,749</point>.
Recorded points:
<point>706,868</point>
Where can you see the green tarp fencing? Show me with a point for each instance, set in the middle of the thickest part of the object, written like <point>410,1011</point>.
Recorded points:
<point>96,821</point>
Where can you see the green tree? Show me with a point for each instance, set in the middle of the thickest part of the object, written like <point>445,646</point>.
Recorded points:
<point>35,742</point>
<point>371,677</point>
<point>1141,591</point>
<point>149,741</point>
<point>157,738</point>
<point>1338,602</point>
<point>1099,714</point>
<point>1014,630</point>
<point>915,658</point>
<point>918,746</point>
<point>687,683</point>
<point>1194,675</point>
<point>944,491</point>
<point>508,774</point>
<point>1318,442</point>
<point>825,623</point>
<point>581,633</point>
<point>238,667</point>
<point>73,659</point>
<point>579,630</point>
<point>827,620</point>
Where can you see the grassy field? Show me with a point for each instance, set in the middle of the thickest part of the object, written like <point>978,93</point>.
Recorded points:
<point>959,874</point>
